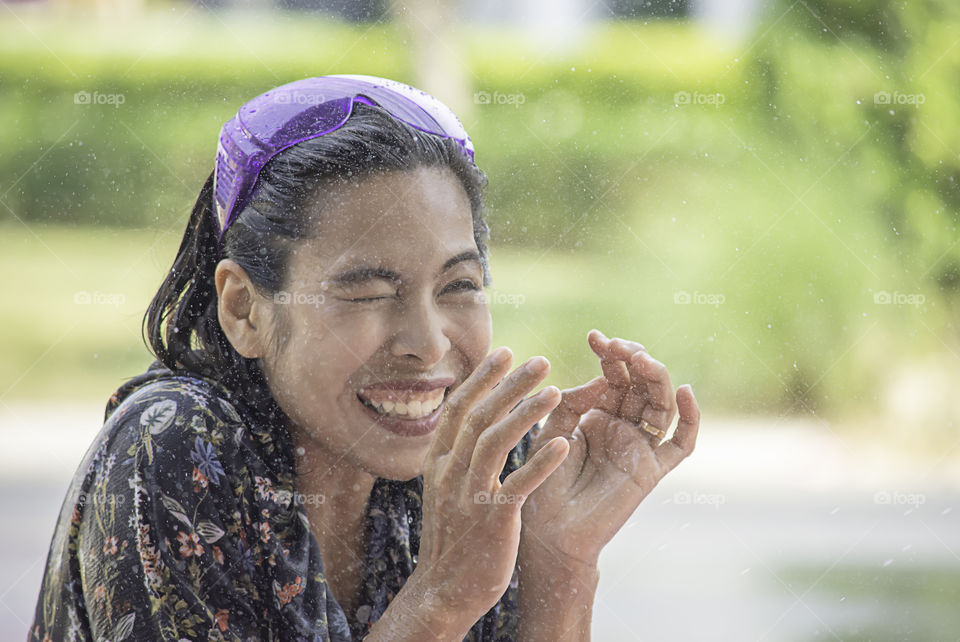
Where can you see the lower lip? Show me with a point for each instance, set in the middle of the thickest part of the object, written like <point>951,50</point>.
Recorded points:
<point>406,427</point>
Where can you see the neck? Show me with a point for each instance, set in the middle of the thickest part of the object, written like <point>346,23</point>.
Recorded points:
<point>334,494</point>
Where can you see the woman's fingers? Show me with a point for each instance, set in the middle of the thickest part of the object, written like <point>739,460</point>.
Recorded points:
<point>459,402</point>
<point>495,443</point>
<point>648,395</point>
<point>613,368</point>
<point>496,405</point>
<point>672,452</point>
<point>521,483</point>
<point>573,403</point>
<point>603,340</point>
<point>649,374</point>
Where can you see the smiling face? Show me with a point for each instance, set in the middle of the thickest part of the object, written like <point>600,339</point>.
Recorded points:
<point>382,314</point>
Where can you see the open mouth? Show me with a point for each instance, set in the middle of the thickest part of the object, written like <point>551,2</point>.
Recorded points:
<point>403,404</point>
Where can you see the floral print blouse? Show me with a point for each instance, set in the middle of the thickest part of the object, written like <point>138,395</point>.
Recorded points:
<point>180,524</point>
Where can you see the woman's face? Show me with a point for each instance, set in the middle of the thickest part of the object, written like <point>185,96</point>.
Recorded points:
<point>384,314</point>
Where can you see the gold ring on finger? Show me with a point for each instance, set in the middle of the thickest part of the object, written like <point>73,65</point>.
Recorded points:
<point>646,426</point>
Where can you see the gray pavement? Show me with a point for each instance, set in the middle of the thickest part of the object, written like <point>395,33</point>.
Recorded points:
<point>775,530</point>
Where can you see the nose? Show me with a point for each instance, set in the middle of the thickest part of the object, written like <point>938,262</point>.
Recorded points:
<point>421,332</point>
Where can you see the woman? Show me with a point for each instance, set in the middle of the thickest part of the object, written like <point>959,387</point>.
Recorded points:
<point>324,449</point>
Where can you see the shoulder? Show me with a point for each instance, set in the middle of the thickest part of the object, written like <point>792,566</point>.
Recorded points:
<point>178,426</point>
<point>172,407</point>
<point>173,514</point>
<point>165,401</point>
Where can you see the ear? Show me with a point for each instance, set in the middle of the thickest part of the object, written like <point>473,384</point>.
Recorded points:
<point>244,315</point>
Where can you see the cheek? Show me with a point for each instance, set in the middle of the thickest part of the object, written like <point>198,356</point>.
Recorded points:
<point>474,333</point>
<point>335,345</point>
<point>326,348</point>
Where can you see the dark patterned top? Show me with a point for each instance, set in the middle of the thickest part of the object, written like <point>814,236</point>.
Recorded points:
<point>180,524</point>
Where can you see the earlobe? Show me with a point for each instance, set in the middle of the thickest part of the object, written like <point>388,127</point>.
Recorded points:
<point>236,303</point>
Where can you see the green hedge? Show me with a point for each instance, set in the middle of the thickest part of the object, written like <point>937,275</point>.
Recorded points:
<point>141,162</point>
<point>773,178</point>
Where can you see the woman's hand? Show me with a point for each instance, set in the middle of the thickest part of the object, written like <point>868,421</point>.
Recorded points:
<point>471,523</point>
<point>612,463</point>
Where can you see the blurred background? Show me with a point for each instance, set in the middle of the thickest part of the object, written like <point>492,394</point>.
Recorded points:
<point>762,192</point>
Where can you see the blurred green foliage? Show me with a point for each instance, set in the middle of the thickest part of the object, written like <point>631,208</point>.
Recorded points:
<point>584,119</point>
<point>650,165</point>
<point>878,79</point>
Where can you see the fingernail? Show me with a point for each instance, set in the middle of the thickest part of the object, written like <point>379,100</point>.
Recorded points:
<point>548,391</point>
<point>556,444</point>
<point>536,365</point>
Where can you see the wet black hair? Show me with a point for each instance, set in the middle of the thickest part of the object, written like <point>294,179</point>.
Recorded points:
<point>181,326</point>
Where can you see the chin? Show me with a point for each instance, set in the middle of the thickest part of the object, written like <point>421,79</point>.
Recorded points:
<point>402,468</point>
<point>399,474</point>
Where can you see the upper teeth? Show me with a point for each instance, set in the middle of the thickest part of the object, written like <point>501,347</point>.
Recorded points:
<point>413,405</point>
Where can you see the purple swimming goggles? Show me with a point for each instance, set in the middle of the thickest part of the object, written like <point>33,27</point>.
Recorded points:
<point>305,109</point>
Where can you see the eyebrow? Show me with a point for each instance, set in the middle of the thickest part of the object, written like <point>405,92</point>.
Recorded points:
<point>366,272</point>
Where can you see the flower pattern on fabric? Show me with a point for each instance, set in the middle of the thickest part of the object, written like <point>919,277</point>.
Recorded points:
<point>205,457</point>
<point>179,524</point>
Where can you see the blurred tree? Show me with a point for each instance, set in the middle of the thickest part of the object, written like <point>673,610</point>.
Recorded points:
<point>350,10</point>
<point>647,8</point>
<point>429,28</point>
<point>106,10</point>
<point>886,66</point>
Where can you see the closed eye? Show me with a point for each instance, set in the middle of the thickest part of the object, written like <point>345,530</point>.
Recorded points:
<point>462,284</point>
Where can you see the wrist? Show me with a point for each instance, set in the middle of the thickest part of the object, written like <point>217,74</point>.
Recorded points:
<point>420,611</point>
<point>539,557</point>
<point>557,580</point>
<point>556,596</point>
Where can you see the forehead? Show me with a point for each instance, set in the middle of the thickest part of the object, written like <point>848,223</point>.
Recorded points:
<point>406,218</point>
